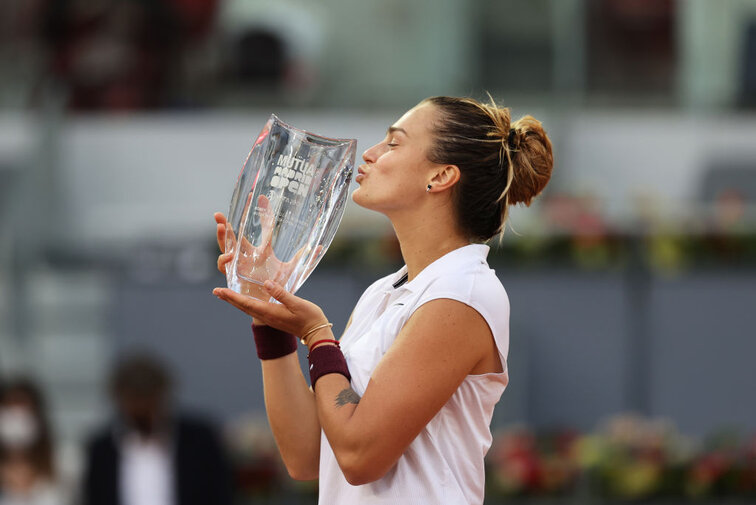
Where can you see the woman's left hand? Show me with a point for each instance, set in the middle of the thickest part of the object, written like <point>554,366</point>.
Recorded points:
<point>294,315</point>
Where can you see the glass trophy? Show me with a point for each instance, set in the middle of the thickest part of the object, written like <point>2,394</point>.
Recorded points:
<point>286,206</point>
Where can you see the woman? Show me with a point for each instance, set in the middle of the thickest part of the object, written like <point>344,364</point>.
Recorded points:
<point>403,415</point>
<point>27,473</point>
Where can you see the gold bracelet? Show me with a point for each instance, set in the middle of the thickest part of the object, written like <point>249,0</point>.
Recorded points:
<point>303,339</point>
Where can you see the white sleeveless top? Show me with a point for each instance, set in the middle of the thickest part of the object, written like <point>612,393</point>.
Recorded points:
<point>444,464</point>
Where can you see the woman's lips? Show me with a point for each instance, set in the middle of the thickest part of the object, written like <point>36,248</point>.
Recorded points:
<point>360,174</point>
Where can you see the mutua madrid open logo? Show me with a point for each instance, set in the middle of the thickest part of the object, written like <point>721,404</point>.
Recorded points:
<point>294,174</point>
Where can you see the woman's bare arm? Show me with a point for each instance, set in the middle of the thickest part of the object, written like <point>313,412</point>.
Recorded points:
<point>289,402</point>
<point>290,406</point>
<point>440,345</point>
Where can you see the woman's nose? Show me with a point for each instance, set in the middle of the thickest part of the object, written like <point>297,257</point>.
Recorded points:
<point>370,155</point>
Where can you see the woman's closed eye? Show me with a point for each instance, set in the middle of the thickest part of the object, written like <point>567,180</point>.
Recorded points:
<point>391,141</point>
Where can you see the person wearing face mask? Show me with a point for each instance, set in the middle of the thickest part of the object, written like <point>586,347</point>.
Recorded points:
<point>27,470</point>
<point>150,454</point>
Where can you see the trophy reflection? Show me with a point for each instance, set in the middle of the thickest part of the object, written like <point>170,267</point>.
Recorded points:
<point>286,207</point>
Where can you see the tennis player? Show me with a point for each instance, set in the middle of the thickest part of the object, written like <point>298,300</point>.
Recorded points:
<point>400,407</point>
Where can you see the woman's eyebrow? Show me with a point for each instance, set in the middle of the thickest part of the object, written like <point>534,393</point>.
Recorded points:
<point>392,129</point>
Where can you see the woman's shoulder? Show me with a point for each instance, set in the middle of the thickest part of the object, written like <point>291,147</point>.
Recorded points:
<point>478,287</point>
<point>476,284</point>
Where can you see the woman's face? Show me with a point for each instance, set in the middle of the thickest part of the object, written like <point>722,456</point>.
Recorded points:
<point>396,171</point>
<point>18,422</point>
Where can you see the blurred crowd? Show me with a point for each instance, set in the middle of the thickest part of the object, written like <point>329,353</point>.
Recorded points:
<point>107,54</point>
<point>120,55</point>
<point>149,452</point>
<point>146,54</point>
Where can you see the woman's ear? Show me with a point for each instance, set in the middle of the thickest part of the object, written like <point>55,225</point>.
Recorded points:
<point>446,177</point>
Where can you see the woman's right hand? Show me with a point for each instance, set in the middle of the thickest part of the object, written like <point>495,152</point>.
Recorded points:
<point>258,262</point>
<point>224,257</point>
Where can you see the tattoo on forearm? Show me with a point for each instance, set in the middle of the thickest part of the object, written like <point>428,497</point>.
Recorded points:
<point>347,396</point>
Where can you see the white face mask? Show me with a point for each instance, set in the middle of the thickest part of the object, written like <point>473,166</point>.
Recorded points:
<point>18,427</point>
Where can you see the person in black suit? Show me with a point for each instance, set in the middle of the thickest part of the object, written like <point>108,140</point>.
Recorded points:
<point>149,454</point>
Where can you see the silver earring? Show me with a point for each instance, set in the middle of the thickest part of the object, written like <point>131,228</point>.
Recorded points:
<point>428,188</point>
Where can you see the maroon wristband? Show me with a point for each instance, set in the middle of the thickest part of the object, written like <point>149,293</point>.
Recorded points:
<point>326,359</point>
<point>272,343</point>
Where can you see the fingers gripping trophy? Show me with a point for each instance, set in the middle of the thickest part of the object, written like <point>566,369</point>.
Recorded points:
<point>286,207</point>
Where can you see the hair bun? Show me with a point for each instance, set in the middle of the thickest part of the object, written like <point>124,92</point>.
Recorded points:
<point>501,162</point>
<point>532,160</point>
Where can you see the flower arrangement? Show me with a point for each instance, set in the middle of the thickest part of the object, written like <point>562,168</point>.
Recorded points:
<point>638,458</point>
<point>258,471</point>
<point>521,464</point>
<point>628,458</point>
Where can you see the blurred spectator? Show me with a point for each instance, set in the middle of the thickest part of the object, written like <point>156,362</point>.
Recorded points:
<point>272,44</point>
<point>631,45</point>
<point>151,455</point>
<point>27,470</point>
<point>114,54</point>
